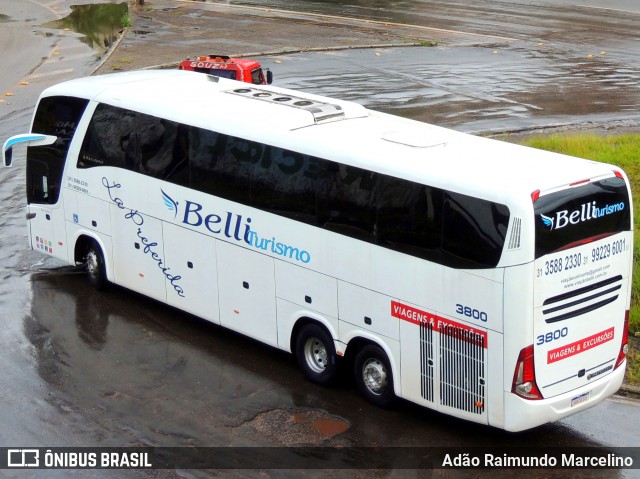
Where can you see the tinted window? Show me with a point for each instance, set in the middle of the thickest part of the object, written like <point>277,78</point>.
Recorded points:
<point>410,218</point>
<point>473,231</point>
<point>110,139</point>
<point>287,183</point>
<point>569,216</point>
<point>162,149</point>
<point>221,164</point>
<point>349,201</point>
<point>137,142</point>
<point>448,228</point>
<point>57,116</point>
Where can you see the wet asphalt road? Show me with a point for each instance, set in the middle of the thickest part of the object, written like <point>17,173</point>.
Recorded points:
<point>531,64</point>
<point>117,369</point>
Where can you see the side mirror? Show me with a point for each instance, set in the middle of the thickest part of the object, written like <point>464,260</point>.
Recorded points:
<point>269,77</point>
<point>32,139</point>
<point>8,156</point>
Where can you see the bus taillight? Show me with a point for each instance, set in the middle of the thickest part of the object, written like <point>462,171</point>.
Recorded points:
<point>524,377</point>
<point>625,340</point>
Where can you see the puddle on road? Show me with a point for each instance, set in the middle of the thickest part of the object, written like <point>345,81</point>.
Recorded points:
<point>300,427</point>
<point>100,23</point>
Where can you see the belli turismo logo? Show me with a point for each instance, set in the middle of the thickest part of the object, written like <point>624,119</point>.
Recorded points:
<point>232,226</point>
<point>586,212</point>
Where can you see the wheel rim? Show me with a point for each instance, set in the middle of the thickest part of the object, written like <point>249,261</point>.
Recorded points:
<point>93,267</point>
<point>315,353</point>
<point>374,376</point>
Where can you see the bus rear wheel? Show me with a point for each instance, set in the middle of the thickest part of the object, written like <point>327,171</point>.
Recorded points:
<point>373,376</point>
<point>96,272</point>
<point>316,354</point>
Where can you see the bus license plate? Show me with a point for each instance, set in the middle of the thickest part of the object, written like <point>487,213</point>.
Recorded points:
<point>580,399</point>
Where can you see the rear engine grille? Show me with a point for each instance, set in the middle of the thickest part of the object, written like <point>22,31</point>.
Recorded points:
<point>462,372</point>
<point>461,367</point>
<point>426,361</point>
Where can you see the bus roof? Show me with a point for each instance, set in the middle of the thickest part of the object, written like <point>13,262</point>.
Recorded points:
<point>340,131</point>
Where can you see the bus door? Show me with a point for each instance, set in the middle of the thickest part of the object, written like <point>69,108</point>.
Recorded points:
<point>40,213</point>
<point>582,274</point>
<point>56,116</point>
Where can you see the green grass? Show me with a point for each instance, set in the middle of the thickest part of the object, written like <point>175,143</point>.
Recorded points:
<point>632,375</point>
<point>622,151</point>
<point>125,21</point>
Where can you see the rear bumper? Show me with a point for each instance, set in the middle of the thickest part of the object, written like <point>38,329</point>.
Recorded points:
<point>521,414</point>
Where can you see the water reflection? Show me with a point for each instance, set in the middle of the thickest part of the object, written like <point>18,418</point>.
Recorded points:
<point>99,23</point>
<point>91,322</point>
<point>171,378</point>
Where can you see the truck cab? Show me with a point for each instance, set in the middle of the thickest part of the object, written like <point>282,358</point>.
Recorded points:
<point>240,69</point>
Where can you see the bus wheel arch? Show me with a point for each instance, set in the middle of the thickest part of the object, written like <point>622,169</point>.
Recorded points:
<point>372,371</point>
<point>89,253</point>
<point>315,351</point>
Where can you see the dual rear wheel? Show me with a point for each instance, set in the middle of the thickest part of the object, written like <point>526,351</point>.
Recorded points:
<point>316,355</point>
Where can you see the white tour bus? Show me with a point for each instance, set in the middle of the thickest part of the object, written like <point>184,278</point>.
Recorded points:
<point>478,278</point>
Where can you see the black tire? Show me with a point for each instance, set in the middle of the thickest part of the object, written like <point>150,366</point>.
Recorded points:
<point>96,272</point>
<point>316,354</point>
<point>373,376</point>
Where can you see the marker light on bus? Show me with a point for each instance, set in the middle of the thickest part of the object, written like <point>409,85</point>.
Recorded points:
<point>624,347</point>
<point>535,195</point>
<point>581,182</point>
<point>524,378</point>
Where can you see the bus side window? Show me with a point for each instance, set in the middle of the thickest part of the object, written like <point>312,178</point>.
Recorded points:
<point>474,230</point>
<point>221,164</point>
<point>110,139</point>
<point>163,146</point>
<point>38,182</point>
<point>349,203</point>
<point>410,218</point>
<point>287,183</point>
<point>59,116</point>
<point>204,148</point>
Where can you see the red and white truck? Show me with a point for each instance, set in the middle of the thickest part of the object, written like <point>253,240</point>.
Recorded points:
<point>241,69</point>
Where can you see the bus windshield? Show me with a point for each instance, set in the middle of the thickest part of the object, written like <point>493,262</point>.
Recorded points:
<point>582,213</point>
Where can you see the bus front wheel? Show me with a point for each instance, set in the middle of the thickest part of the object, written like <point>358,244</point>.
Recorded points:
<point>95,267</point>
<point>316,354</point>
<point>373,376</point>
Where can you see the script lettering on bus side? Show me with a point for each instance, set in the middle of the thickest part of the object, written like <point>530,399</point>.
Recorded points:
<point>149,245</point>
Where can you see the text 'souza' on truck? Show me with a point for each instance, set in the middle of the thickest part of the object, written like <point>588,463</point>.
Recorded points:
<point>241,69</point>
